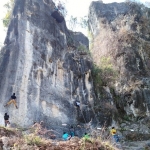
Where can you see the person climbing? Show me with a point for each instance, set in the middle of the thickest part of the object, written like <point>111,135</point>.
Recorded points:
<point>66,136</point>
<point>6,119</point>
<point>12,100</point>
<point>113,132</point>
<point>77,104</point>
<point>72,133</point>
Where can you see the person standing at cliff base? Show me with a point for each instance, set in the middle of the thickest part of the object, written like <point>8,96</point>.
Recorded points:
<point>12,101</point>
<point>86,136</point>
<point>113,132</point>
<point>72,131</point>
<point>6,119</point>
<point>66,136</point>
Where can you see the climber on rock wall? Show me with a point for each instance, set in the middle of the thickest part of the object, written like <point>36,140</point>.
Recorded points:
<point>12,101</point>
<point>77,104</point>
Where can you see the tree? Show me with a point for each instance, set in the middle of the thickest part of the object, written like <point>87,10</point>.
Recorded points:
<point>84,22</point>
<point>9,7</point>
<point>73,22</point>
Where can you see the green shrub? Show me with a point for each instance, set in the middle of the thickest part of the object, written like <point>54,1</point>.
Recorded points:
<point>103,73</point>
<point>9,7</point>
<point>127,118</point>
<point>82,49</point>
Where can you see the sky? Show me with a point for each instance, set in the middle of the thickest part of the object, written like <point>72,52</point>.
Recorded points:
<point>76,8</point>
<point>2,14</point>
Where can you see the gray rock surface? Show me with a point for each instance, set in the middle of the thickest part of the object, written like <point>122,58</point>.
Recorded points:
<point>41,64</point>
<point>100,11</point>
<point>121,35</point>
<point>138,145</point>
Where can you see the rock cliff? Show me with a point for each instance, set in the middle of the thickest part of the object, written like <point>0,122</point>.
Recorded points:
<point>45,65</point>
<point>120,50</point>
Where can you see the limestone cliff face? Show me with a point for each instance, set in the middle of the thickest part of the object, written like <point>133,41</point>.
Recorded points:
<point>40,62</point>
<point>121,48</point>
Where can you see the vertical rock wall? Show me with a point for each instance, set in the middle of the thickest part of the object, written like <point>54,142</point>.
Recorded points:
<point>41,64</point>
<point>121,33</point>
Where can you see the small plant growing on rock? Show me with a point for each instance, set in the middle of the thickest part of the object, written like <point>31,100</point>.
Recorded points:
<point>83,50</point>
